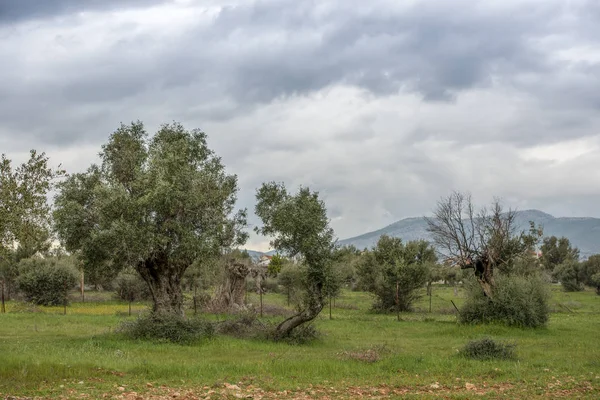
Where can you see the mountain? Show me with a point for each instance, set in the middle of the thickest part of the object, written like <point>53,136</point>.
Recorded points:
<point>583,233</point>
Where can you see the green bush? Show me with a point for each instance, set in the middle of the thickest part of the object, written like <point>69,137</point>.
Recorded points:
<point>488,349</point>
<point>590,272</point>
<point>518,301</point>
<point>167,328</point>
<point>46,281</point>
<point>569,275</point>
<point>131,287</point>
<point>303,334</point>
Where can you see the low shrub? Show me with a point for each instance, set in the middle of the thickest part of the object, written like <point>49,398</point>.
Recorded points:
<point>518,301</point>
<point>46,282</point>
<point>303,334</point>
<point>245,325</point>
<point>569,274</point>
<point>167,328</point>
<point>488,349</point>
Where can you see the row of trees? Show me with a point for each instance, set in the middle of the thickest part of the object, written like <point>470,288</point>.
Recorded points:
<point>164,207</point>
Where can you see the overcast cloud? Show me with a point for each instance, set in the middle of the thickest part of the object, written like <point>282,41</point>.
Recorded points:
<point>382,106</point>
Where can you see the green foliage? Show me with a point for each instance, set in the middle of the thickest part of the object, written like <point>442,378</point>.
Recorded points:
<point>488,349</point>
<point>557,251</point>
<point>518,301</point>
<point>345,264</point>
<point>46,281</point>
<point>290,278</point>
<point>129,286</point>
<point>569,275</point>
<point>304,334</point>
<point>156,204</point>
<point>394,272</point>
<point>172,328</point>
<point>590,272</point>
<point>277,262</point>
<point>24,211</point>
<point>299,226</point>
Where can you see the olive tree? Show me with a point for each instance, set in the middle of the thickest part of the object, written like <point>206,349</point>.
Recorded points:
<point>24,211</point>
<point>394,272</point>
<point>298,226</point>
<point>483,240</point>
<point>156,204</point>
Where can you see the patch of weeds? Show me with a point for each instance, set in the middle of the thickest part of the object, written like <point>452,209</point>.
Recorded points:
<point>303,334</point>
<point>244,325</point>
<point>346,306</point>
<point>167,328</point>
<point>488,349</point>
<point>369,355</point>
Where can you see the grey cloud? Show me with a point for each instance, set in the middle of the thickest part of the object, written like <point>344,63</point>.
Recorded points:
<point>255,53</point>
<point>12,11</point>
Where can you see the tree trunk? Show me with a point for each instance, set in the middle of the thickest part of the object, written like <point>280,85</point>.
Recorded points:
<point>231,293</point>
<point>165,287</point>
<point>308,314</point>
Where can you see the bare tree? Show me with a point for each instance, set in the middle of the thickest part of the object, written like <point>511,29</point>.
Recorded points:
<point>484,240</point>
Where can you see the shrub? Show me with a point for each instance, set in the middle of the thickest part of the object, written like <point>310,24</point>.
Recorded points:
<point>394,272</point>
<point>302,334</point>
<point>488,349</point>
<point>569,274</point>
<point>167,328</point>
<point>244,325</point>
<point>590,272</point>
<point>131,287</point>
<point>518,301</point>
<point>46,281</point>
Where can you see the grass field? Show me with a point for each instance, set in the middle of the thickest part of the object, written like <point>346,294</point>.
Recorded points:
<point>360,354</point>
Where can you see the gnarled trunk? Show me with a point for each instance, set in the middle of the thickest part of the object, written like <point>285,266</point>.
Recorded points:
<point>311,312</point>
<point>164,282</point>
<point>230,294</point>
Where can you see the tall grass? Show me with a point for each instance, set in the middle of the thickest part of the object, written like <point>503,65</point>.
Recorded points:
<point>46,353</point>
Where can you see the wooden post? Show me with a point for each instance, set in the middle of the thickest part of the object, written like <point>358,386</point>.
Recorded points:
<point>130,308</point>
<point>261,303</point>
<point>398,300</point>
<point>82,287</point>
<point>430,300</point>
<point>330,307</point>
<point>65,299</point>
<point>3,306</point>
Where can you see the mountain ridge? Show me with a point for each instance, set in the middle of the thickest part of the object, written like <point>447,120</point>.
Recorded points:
<point>583,232</point>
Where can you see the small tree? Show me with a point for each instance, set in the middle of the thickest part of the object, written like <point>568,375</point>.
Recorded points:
<point>556,251</point>
<point>46,282</point>
<point>299,226</point>
<point>590,271</point>
<point>484,241</point>
<point>24,213</point>
<point>275,265</point>
<point>154,204</point>
<point>569,275</point>
<point>394,272</point>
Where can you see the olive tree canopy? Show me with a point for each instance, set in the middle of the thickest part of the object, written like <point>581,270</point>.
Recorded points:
<point>155,204</point>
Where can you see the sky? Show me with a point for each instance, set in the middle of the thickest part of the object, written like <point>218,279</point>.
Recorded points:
<point>383,106</point>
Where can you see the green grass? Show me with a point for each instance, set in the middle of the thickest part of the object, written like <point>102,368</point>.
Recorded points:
<point>50,354</point>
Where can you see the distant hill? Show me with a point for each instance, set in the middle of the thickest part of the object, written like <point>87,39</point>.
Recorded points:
<point>582,232</point>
